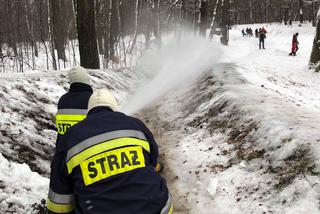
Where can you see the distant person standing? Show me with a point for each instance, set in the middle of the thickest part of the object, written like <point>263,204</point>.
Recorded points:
<point>251,31</point>
<point>243,33</point>
<point>295,43</point>
<point>262,37</point>
<point>256,32</point>
<point>247,31</point>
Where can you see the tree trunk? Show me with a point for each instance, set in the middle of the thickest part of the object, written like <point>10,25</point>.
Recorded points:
<point>315,6</point>
<point>135,27</point>
<point>30,31</point>
<point>315,54</point>
<point>213,22</point>
<point>301,11</point>
<point>251,13</point>
<point>204,15</point>
<point>114,29</point>
<point>41,30</point>
<point>12,39</point>
<point>51,42</point>
<point>58,29</point>
<point>99,25</point>
<point>225,22</point>
<point>107,10</point>
<point>89,57</point>
<point>158,24</point>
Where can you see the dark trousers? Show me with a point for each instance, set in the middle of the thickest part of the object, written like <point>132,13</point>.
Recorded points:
<point>261,41</point>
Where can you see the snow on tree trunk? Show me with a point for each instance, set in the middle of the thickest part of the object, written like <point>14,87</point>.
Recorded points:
<point>213,22</point>
<point>301,11</point>
<point>315,54</point>
<point>225,22</point>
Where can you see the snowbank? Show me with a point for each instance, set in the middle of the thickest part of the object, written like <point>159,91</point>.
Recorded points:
<point>27,130</point>
<point>244,137</point>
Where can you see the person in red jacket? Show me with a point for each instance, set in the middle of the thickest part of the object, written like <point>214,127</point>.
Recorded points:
<point>295,44</point>
<point>262,37</point>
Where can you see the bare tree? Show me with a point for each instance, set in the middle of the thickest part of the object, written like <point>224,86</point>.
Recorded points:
<point>225,22</point>
<point>301,11</point>
<point>204,17</point>
<point>315,54</point>
<point>89,57</point>
<point>58,31</point>
<point>135,26</point>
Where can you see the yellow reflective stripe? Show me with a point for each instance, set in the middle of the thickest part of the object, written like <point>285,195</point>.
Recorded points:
<point>105,146</point>
<point>171,210</point>
<point>70,117</point>
<point>107,136</point>
<point>59,208</point>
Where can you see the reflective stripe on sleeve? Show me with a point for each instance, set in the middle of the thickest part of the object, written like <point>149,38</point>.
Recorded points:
<point>168,208</point>
<point>70,117</point>
<point>72,111</point>
<point>60,203</point>
<point>102,138</point>
<point>105,146</point>
<point>71,114</point>
<point>59,208</point>
<point>60,198</point>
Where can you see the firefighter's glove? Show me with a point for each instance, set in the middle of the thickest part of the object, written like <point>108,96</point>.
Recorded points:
<point>158,167</point>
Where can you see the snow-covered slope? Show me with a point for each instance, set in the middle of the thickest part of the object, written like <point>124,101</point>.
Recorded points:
<point>244,138</point>
<point>27,135</point>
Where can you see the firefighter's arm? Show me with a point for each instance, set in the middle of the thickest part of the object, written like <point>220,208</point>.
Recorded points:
<point>154,151</point>
<point>60,197</point>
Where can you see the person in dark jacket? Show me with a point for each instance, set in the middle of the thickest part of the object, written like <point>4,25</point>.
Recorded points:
<point>295,43</point>
<point>243,33</point>
<point>105,164</point>
<point>256,32</point>
<point>72,106</point>
<point>262,37</point>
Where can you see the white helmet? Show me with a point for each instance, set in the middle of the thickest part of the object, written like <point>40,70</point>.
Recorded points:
<point>102,97</point>
<point>78,74</point>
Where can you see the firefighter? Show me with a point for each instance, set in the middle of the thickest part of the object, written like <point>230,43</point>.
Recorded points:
<point>105,164</point>
<point>72,106</point>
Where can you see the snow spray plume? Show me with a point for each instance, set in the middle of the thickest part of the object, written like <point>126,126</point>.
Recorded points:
<point>175,63</point>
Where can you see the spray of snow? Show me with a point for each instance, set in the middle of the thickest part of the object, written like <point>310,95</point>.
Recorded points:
<point>167,68</point>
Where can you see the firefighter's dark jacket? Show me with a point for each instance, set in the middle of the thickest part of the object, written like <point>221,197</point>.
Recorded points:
<point>105,165</point>
<point>72,107</point>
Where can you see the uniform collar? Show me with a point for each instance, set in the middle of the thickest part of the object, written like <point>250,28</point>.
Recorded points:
<point>99,109</point>
<point>79,87</point>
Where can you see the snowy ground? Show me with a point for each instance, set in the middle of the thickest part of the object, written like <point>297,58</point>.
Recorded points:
<point>241,139</point>
<point>244,139</point>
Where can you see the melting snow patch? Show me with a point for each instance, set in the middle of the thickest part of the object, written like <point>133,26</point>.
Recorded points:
<point>212,187</point>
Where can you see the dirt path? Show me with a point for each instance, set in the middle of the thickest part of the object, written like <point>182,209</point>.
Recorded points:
<point>166,143</point>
